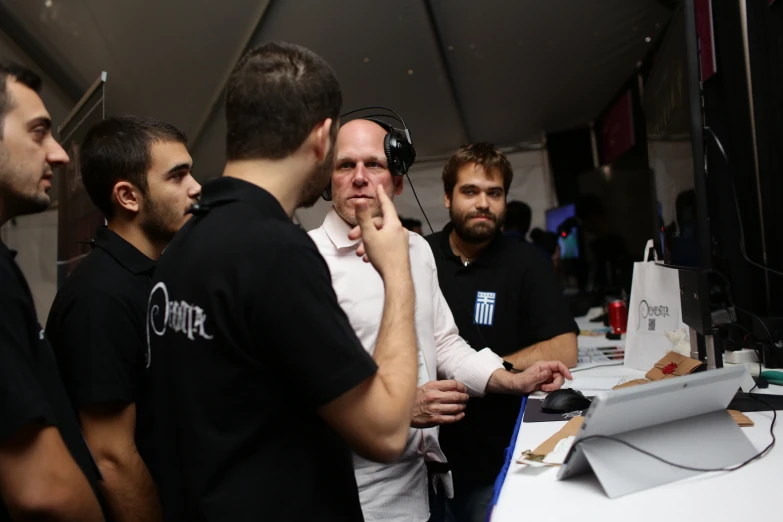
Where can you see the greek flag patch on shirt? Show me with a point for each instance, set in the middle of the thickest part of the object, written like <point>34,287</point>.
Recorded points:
<point>484,311</point>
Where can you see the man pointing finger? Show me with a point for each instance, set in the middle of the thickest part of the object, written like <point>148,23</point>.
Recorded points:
<point>361,223</point>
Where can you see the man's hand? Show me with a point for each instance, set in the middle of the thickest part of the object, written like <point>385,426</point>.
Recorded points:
<point>439,402</point>
<point>384,239</point>
<point>546,376</point>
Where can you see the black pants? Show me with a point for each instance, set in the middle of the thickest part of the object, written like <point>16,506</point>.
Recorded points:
<point>437,502</point>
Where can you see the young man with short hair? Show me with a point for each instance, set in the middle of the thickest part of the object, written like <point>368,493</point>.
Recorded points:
<point>503,295</point>
<point>46,471</point>
<point>137,171</point>
<point>261,387</point>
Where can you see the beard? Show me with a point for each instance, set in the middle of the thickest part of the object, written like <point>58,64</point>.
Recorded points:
<point>20,199</point>
<point>479,231</point>
<point>161,222</point>
<point>317,180</point>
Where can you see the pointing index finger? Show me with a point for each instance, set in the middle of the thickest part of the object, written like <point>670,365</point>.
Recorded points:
<point>364,217</point>
<point>389,212</point>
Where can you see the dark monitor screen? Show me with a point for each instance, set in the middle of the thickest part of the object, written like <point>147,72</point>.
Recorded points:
<point>567,237</point>
<point>667,105</point>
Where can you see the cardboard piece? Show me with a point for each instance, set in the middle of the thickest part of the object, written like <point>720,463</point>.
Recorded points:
<point>570,429</point>
<point>628,384</point>
<point>674,365</point>
<point>741,419</point>
<point>537,456</point>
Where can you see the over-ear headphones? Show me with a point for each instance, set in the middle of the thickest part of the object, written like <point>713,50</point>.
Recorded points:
<point>397,143</point>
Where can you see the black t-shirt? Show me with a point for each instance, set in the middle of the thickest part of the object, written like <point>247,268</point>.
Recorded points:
<point>247,341</point>
<point>507,299</point>
<point>31,390</point>
<point>97,329</point>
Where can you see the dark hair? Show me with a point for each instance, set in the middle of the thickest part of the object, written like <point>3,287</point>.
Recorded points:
<point>276,95</point>
<point>685,207</point>
<point>544,239</point>
<point>118,149</point>
<point>410,223</point>
<point>19,74</point>
<point>518,216</point>
<point>484,154</point>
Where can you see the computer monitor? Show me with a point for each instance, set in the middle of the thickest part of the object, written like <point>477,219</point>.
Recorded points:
<point>673,116</point>
<point>557,222</point>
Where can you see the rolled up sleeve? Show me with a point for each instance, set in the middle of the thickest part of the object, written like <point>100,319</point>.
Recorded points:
<point>457,360</point>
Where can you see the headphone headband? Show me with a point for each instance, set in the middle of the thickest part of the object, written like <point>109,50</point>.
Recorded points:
<point>397,144</point>
<point>394,115</point>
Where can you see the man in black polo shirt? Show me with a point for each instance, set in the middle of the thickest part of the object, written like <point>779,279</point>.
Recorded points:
<point>261,387</point>
<point>46,471</point>
<point>503,295</point>
<point>137,173</point>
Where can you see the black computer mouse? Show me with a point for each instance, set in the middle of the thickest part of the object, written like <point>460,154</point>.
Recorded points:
<point>565,400</point>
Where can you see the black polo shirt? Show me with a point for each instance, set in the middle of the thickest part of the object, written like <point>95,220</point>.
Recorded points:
<point>31,390</point>
<point>508,299</point>
<point>247,342</point>
<point>97,328</point>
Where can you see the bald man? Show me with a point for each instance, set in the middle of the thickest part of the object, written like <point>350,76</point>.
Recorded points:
<point>399,491</point>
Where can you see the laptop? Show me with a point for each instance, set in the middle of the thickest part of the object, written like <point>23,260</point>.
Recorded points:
<point>683,420</point>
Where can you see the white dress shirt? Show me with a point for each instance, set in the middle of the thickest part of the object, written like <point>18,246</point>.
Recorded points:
<point>398,491</point>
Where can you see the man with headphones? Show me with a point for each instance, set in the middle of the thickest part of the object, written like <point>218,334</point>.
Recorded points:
<point>371,153</point>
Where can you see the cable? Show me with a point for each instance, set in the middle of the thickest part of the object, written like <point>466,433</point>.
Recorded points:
<point>729,293</point>
<point>757,456</point>
<point>737,205</point>
<point>739,308</point>
<point>417,201</point>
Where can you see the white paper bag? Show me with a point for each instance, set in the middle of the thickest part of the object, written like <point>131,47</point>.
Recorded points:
<point>653,311</point>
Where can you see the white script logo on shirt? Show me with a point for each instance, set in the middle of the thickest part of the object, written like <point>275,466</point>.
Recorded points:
<point>179,316</point>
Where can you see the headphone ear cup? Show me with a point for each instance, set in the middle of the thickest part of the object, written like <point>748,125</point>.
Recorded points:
<point>390,158</point>
<point>399,153</point>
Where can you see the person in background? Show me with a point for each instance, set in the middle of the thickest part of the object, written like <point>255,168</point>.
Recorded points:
<point>414,225</point>
<point>137,172</point>
<point>609,264</point>
<point>683,247</point>
<point>503,295</point>
<point>261,386</point>
<point>399,492</point>
<point>517,223</point>
<point>46,470</point>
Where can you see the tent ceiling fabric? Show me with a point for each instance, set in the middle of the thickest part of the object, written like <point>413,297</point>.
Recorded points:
<point>499,71</point>
<point>532,66</point>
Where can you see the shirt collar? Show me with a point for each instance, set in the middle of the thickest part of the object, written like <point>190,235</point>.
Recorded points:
<point>485,256</point>
<point>127,255</point>
<point>337,230</point>
<point>224,190</point>
<point>4,250</point>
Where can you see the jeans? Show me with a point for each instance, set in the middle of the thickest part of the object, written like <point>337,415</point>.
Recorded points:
<point>470,506</point>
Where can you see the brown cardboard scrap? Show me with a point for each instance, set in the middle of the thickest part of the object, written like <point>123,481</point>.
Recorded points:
<point>628,384</point>
<point>741,419</point>
<point>570,429</point>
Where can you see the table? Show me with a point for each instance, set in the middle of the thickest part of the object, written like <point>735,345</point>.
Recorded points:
<point>527,493</point>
